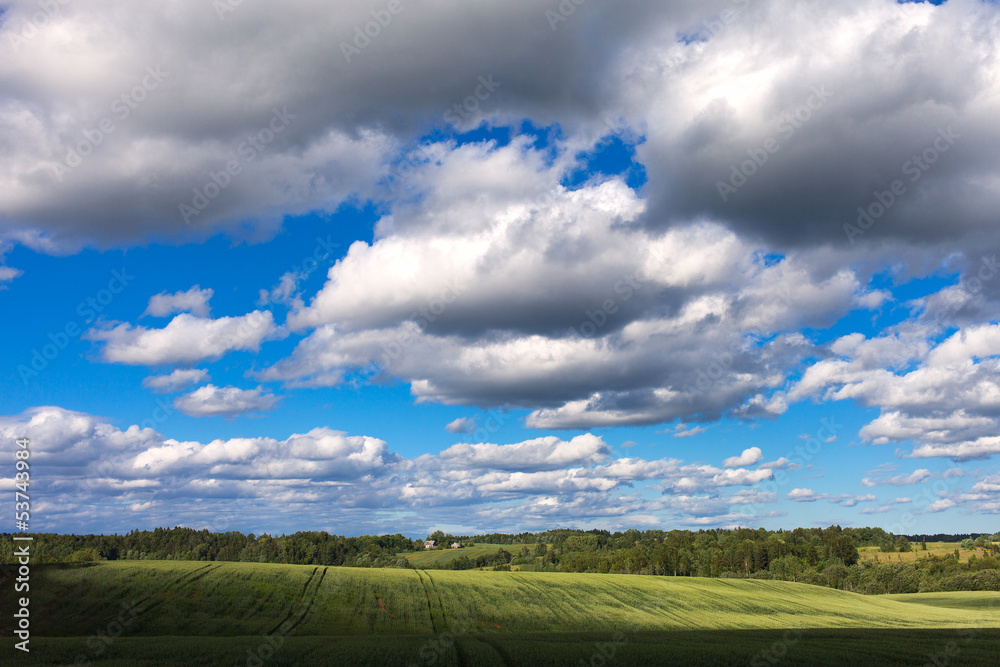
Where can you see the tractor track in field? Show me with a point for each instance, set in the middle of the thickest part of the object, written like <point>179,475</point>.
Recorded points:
<point>186,578</point>
<point>622,594</point>
<point>430,605</point>
<point>558,608</point>
<point>504,658</point>
<point>463,658</point>
<point>444,616</point>
<point>312,599</point>
<point>305,589</point>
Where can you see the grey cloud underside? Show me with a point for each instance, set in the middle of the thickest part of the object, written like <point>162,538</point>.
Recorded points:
<point>896,75</point>
<point>885,81</point>
<point>224,78</point>
<point>893,80</point>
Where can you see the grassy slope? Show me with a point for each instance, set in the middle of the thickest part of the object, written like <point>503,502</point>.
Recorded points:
<point>443,557</point>
<point>251,599</point>
<point>196,612</point>
<point>987,602</point>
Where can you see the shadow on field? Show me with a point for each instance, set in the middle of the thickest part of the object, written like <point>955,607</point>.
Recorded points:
<point>743,647</point>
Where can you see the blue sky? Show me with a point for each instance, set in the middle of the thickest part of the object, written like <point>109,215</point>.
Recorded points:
<point>619,292</point>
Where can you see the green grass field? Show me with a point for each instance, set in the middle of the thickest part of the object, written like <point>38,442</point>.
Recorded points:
<point>214,613</point>
<point>971,600</point>
<point>933,549</point>
<point>431,557</point>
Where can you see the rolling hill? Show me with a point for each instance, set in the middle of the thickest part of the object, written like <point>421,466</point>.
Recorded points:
<point>199,611</point>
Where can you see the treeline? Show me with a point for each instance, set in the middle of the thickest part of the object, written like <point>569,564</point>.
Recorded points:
<point>820,556</point>
<point>925,575</point>
<point>824,557</point>
<point>707,553</point>
<point>302,548</point>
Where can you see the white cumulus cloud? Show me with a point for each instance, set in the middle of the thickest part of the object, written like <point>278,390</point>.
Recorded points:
<point>212,401</point>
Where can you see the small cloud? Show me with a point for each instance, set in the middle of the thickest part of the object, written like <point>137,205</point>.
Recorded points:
<point>748,457</point>
<point>212,401</point>
<point>781,464</point>
<point>7,274</point>
<point>286,292</point>
<point>806,436</point>
<point>872,299</point>
<point>842,499</point>
<point>684,431</point>
<point>851,501</point>
<point>803,495</point>
<point>941,505</point>
<point>915,477</point>
<point>187,339</point>
<point>179,379</point>
<point>629,444</point>
<point>462,425</point>
<point>194,301</point>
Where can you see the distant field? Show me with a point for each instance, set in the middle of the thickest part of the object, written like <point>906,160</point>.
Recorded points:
<point>971,600</point>
<point>213,613</point>
<point>933,548</point>
<point>428,557</point>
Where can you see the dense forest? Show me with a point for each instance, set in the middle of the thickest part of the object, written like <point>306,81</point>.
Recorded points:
<point>825,557</point>
<point>187,544</point>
